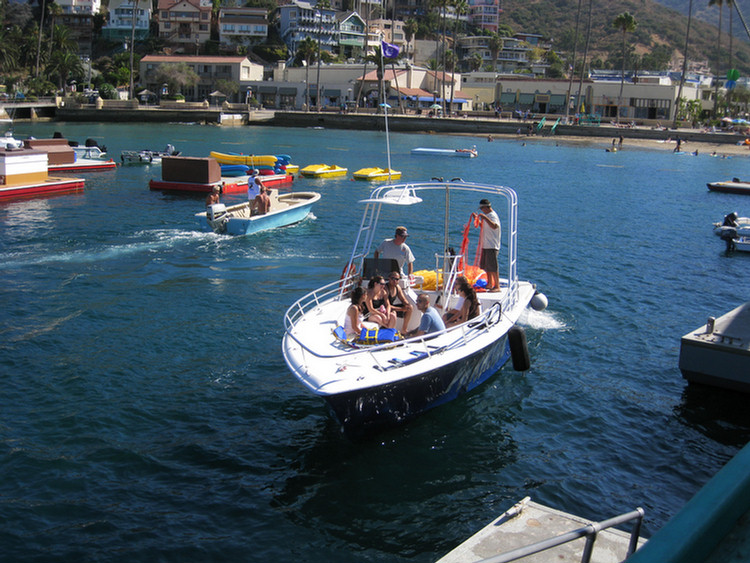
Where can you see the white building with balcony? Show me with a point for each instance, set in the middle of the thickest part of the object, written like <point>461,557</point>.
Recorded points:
<point>242,26</point>
<point>119,26</point>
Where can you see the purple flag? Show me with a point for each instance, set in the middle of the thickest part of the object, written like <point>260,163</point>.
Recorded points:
<point>390,51</point>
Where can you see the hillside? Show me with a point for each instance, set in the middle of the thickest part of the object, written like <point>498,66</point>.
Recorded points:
<point>710,14</point>
<point>659,29</point>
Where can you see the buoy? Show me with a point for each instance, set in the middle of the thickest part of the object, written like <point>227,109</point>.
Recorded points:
<point>539,301</point>
<point>519,351</point>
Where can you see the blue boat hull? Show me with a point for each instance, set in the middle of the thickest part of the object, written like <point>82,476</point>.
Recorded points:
<point>260,223</point>
<point>364,412</point>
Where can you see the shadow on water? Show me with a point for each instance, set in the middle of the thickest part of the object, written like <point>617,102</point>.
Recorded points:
<point>719,414</point>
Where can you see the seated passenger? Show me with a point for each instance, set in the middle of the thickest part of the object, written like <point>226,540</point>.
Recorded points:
<point>431,321</point>
<point>354,322</point>
<point>397,299</point>
<point>467,307</point>
<point>377,304</point>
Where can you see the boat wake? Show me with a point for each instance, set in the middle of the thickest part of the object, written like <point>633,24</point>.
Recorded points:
<point>543,320</point>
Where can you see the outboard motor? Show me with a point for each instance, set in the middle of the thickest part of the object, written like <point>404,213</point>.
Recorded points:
<point>728,235</point>
<point>215,211</point>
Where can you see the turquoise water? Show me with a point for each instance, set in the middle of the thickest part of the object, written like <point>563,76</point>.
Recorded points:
<point>146,413</point>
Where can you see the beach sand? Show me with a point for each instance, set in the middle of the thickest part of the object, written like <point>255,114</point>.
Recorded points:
<point>703,148</point>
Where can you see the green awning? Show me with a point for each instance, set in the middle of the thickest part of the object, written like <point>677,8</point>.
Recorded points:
<point>287,91</point>
<point>332,93</point>
<point>557,99</point>
<point>267,89</point>
<point>508,98</point>
<point>526,99</point>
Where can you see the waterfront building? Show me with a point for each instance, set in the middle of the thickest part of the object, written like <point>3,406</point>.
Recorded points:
<point>209,69</point>
<point>120,24</point>
<point>647,96</point>
<point>485,14</point>
<point>184,23</point>
<point>242,26</point>
<point>78,17</point>
<point>299,20</point>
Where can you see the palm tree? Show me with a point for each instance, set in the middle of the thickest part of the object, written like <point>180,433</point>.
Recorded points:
<point>39,44</point>
<point>451,60</point>
<point>573,64</point>
<point>684,63</point>
<point>63,64</point>
<point>410,30</point>
<point>495,45</point>
<point>720,4</point>
<point>627,24</point>
<point>307,50</point>
<point>54,10</point>
<point>585,54</point>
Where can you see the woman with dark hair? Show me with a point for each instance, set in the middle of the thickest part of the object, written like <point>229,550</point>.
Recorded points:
<point>467,307</point>
<point>378,306</point>
<point>354,322</point>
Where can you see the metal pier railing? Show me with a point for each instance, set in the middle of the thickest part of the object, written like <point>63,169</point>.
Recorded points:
<point>590,532</point>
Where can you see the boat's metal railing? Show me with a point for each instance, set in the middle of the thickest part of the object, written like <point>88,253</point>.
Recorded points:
<point>590,532</point>
<point>464,331</point>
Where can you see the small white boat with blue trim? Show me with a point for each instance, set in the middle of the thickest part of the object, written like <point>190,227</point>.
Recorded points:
<point>371,386</point>
<point>286,209</point>
<point>461,153</point>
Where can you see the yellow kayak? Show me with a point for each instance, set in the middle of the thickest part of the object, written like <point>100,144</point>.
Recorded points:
<point>323,171</point>
<point>292,169</point>
<point>376,174</point>
<point>248,159</point>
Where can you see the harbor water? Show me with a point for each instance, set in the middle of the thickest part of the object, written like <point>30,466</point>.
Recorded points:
<point>147,414</point>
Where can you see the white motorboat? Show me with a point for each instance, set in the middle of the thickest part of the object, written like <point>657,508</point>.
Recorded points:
<point>462,153</point>
<point>147,156</point>
<point>368,387</point>
<point>735,231</point>
<point>286,209</point>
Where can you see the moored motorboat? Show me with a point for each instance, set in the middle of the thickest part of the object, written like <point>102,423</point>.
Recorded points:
<point>24,173</point>
<point>286,209</point>
<point>147,156</point>
<point>370,386</point>
<point>734,231</point>
<point>377,174</point>
<point>735,186</point>
<point>62,157</point>
<point>323,171</point>
<point>461,153</point>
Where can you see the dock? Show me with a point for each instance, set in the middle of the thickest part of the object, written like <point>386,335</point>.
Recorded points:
<point>718,353</point>
<point>528,523</point>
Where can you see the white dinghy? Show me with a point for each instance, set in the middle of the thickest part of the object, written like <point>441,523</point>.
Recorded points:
<point>371,386</point>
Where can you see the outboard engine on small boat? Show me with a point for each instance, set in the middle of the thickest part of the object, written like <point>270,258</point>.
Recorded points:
<point>216,215</point>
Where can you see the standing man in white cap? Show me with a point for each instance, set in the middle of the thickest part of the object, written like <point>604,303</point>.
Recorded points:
<point>491,238</point>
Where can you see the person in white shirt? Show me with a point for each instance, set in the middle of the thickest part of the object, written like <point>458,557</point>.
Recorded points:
<point>397,249</point>
<point>491,238</point>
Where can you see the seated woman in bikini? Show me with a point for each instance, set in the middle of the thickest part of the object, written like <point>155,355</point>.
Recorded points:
<point>377,304</point>
<point>397,299</point>
<point>355,318</point>
<point>467,307</point>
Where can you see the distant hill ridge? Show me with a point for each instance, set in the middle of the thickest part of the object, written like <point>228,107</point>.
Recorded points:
<point>658,24</point>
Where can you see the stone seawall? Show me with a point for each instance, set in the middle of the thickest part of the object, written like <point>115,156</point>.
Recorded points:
<point>407,124</point>
<point>471,126</point>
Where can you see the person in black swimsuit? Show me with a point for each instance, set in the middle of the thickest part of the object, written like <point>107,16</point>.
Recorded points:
<point>397,299</point>
<point>378,307</point>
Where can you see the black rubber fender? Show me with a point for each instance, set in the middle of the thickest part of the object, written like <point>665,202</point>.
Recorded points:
<point>519,350</point>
